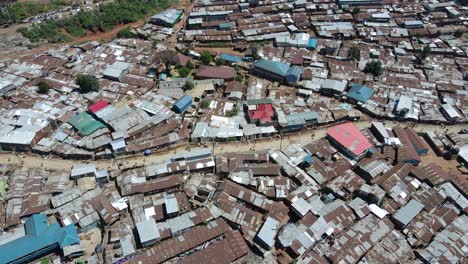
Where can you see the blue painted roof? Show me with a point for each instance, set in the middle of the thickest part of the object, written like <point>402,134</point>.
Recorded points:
<point>313,43</point>
<point>295,70</point>
<point>225,25</point>
<point>360,93</point>
<point>183,102</point>
<point>39,235</point>
<point>273,66</point>
<point>230,58</point>
<point>294,74</point>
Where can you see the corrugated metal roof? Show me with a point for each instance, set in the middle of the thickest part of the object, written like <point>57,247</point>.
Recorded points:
<point>85,123</point>
<point>39,235</point>
<point>360,93</point>
<point>273,66</point>
<point>408,212</point>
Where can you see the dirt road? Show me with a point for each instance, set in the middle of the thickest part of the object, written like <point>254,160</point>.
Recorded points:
<point>129,161</point>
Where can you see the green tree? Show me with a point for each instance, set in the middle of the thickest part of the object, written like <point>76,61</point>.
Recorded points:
<point>204,104</point>
<point>184,71</point>
<point>239,78</point>
<point>355,53</point>
<point>190,65</point>
<point>355,11</point>
<point>374,68</point>
<point>233,112</point>
<point>188,86</point>
<point>126,33</point>
<point>206,58</point>
<point>219,62</point>
<point>425,52</point>
<point>87,83</point>
<point>43,87</point>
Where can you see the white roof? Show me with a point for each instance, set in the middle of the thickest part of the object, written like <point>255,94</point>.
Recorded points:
<point>147,230</point>
<point>82,169</point>
<point>268,231</point>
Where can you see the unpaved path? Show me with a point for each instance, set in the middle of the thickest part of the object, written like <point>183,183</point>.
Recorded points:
<point>53,163</point>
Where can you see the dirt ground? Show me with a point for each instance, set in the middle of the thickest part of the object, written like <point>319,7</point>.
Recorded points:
<point>447,165</point>
<point>90,239</point>
<point>219,50</point>
<point>129,161</point>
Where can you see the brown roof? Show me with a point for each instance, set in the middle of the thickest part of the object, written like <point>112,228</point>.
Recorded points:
<point>206,72</point>
<point>181,60</point>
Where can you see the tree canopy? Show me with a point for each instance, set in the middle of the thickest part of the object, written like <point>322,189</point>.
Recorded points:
<point>87,83</point>
<point>104,18</point>
<point>184,71</point>
<point>206,57</point>
<point>188,85</point>
<point>374,68</point>
<point>354,53</point>
<point>43,87</point>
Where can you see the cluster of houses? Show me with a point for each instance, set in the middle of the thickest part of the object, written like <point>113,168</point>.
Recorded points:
<point>349,197</point>
<point>377,194</point>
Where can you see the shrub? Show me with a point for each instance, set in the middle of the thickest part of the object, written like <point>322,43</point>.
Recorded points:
<point>239,78</point>
<point>219,62</point>
<point>204,104</point>
<point>233,112</point>
<point>206,58</point>
<point>184,71</point>
<point>43,87</point>
<point>374,67</point>
<point>87,83</point>
<point>104,18</point>
<point>188,86</point>
<point>126,33</point>
<point>354,53</point>
<point>190,65</point>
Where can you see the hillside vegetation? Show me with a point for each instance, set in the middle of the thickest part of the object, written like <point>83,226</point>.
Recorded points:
<point>11,13</point>
<point>105,18</point>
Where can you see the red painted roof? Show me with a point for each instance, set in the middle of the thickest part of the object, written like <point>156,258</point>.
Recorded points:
<point>98,106</point>
<point>350,137</point>
<point>264,113</point>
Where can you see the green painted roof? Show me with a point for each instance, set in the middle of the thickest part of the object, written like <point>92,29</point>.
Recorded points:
<point>85,123</point>
<point>273,66</point>
<point>39,235</point>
